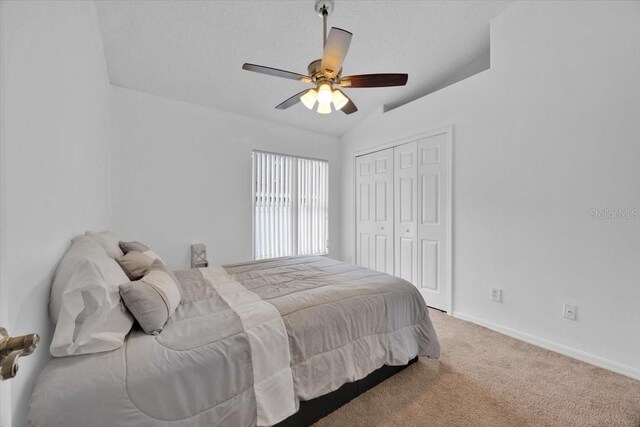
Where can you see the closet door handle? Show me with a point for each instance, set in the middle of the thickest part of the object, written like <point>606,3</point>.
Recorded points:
<point>407,230</point>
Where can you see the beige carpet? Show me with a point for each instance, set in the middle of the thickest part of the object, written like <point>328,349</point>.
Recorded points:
<point>488,379</point>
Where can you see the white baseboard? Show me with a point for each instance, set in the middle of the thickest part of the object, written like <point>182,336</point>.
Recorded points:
<point>601,362</point>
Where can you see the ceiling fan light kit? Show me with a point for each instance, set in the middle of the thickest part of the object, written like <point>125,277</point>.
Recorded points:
<point>325,73</point>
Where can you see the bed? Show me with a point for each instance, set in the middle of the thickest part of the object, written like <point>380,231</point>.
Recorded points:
<point>248,343</point>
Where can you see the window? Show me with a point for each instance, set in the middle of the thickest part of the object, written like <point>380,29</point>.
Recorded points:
<point>291,205</point>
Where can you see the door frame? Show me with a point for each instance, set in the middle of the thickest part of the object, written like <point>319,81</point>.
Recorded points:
<point>5,386</point>
<point>449,130</point>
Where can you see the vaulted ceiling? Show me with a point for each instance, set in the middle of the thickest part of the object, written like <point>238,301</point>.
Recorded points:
<point>193,51</point>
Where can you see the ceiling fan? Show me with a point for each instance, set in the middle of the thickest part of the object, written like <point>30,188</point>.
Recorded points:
<point>326,73</point>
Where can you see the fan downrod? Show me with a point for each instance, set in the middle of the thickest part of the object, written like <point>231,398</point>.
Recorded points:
<point>324,9</point>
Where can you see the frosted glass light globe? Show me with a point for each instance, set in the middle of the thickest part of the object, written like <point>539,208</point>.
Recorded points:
<point>309,98</point>
<point>339,99</point>
<point>324,108</point>
<point>324,94</point>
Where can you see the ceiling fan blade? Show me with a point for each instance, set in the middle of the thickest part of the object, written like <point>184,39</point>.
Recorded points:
<point>374,80</point>
<point>291,101</point>
<point>335,49</point>
<point>350,107</point>
<point>275,72</point>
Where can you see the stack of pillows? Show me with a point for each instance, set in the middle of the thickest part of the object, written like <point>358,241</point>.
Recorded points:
<point>100,286</point>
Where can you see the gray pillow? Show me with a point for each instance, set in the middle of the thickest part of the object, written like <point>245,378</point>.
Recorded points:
<point>138,247</point>
<point>133,246</point>
<point>135,264</point>
<point>154,298</point>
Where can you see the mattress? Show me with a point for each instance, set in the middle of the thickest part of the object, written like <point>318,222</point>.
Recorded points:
<point>248,342</point>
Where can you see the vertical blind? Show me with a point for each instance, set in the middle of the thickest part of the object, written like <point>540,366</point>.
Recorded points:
<point>291,209</point>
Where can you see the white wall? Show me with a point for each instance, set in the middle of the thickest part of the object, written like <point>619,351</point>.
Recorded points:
<point>55,162</point>
<point>475,66</point>
<point>551,131</point>
<point>182,175</point>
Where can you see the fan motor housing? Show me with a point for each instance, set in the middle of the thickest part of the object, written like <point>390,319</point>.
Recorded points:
<point>315,71</point>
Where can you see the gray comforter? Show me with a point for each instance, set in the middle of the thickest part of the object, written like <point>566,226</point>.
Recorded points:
<point>247,344</point>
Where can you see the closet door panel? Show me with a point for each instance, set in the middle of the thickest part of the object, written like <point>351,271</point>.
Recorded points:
<point>364,244</point>
<point>405,189</point>
<point>364,179</point>
<point>432,228</point>
<point>374,211</point>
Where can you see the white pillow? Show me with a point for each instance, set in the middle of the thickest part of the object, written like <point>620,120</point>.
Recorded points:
<point>85,301</point>
<point>109,241</point>
<point>82,247</point>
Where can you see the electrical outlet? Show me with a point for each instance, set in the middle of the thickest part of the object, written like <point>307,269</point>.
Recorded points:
<point>496,294</point>
<point>569,311</point>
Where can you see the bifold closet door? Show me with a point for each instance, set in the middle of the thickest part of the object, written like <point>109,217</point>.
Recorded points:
<point>405,205</point>
<point>433,220</point>
<point>374,211</point>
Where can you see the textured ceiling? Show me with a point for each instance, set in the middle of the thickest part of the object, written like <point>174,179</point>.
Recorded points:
<point>193,51</point>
